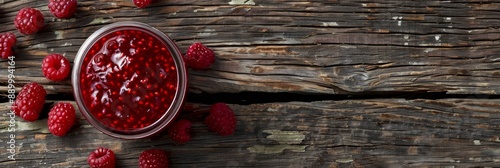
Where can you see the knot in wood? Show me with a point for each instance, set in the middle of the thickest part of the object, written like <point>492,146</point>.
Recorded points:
<point>357,82</point>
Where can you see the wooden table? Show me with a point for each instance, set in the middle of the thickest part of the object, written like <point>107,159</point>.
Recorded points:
<point>332,83</point>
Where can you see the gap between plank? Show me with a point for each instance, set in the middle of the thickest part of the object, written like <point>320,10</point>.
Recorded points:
<point>247,98</point>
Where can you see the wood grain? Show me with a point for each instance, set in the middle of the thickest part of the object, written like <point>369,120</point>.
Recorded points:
<point>348,133</point>
<point>301,48</point>
<point>332,47</point>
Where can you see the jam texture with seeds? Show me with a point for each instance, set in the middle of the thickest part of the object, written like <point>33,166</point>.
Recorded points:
<point>128,79</point>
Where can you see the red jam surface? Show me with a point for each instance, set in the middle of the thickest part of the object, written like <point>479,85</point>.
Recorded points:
<point>128,79</point>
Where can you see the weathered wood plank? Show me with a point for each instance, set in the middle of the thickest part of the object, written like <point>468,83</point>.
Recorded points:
<point>329,47</point>
<point>297,46</point>
<point>349,133</point>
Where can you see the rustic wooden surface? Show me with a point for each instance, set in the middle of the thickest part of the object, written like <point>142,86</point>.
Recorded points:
<point>375,83</point>
<point>348,133</point>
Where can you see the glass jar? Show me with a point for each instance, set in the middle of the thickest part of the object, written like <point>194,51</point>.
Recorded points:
<point>129,80</point>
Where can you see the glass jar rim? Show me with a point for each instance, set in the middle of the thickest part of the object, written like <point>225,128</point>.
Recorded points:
<point>179,96</point>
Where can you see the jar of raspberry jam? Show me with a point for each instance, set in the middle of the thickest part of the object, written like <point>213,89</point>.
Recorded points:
<point>129,80</point>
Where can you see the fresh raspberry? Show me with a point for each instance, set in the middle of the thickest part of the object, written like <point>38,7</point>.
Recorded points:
<point>199,56</point>
<point>221,119</point>
<point>180,131</point>
<point>153,158</point>
<point>62,9</point>
<point>102,158</point>
<point>29,102</point>
<point>55,67</point>
<point>7,42</point>
<point>29,21</point>
<point>61,118</point>
<point>142,3</point>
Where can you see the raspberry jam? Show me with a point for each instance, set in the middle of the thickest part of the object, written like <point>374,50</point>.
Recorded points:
<point>129,80</point>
